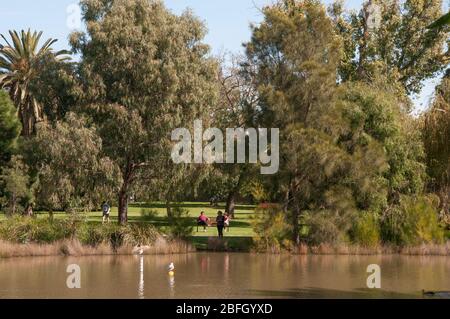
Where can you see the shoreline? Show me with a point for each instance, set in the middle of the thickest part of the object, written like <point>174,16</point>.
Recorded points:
<point>73,248</point>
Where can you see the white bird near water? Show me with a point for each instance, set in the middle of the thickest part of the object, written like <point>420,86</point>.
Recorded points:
<point>171,267</point>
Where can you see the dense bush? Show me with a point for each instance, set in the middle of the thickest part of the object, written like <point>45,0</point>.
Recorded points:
<point>138,234</point>
<point>414,221</point>
<point>271,228</point>
<point>25,230</point>
<point>366,230</point>
<point>326,227</point>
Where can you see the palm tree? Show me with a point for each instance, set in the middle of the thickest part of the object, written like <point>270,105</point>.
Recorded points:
<point>18,66</point>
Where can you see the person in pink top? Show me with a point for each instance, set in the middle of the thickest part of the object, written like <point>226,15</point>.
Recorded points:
<point>202,220</point>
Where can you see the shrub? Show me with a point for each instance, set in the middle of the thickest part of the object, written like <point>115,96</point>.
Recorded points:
<point>271,228</point>
<point>180,223</point>
<point>96,234</point>
<point>414,221</point>
<point>366,230</point>
<point>322,228</point>
<point>25,230</point>
<point>139,234</point>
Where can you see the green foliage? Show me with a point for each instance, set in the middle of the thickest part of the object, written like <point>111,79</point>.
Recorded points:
<point>9,128</point>
<point>55,87</point>
<point>366,230</point>
<point>271,228</point>
<point>15,182</point>
<point>71,172</point>
<point>26,230</point>
<point>415,221</point>
<point>382,131</point>
<point>44,230</point>
<point>436,137</point>
<point>115,235</point>
<point>327,227</point>
<point>296,89</point>
<point>139,234</point>
<point>180,223</point>
<point>395,42</point>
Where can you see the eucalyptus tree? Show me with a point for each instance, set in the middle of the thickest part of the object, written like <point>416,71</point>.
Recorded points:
<point>144,71</point>
<point>19,65</point>
<point>67,166</point>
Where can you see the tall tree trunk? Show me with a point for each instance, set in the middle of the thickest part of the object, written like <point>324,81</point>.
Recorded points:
<point>169,209</point>
<point>27,121</point>
<point>293,204</point>
<point>234,192</point>
<point>123,207</point>
<point>123,193</point>
<point>13,204</point>
<point>230,205</point>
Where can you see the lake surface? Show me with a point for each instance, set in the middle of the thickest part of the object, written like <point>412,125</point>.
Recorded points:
<point>223,275</point>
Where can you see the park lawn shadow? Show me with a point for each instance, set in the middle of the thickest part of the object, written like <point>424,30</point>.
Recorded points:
<point>199,205</point>
<point>237,243</point>
<point>164,221</point>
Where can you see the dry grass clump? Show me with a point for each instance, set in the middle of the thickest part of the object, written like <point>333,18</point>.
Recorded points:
<point>421,250</point>
<point>9,249</point>
<point>74,247</point>
<point>345,249</point>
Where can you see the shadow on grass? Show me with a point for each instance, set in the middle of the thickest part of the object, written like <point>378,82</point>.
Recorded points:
<point>161,221</point>
<point>200,205</point>
<point>238,244</point>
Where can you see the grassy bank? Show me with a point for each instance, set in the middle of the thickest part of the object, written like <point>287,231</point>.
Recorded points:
<point>150,221</point>
<point>238,237</point>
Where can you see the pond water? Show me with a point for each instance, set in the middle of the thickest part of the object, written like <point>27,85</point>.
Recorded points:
<point>223,275</point>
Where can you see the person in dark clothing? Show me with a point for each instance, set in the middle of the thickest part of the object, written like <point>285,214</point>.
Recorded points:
<point>220,220</point>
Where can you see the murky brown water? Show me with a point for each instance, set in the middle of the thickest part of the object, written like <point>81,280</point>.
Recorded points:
<point>221,275</point>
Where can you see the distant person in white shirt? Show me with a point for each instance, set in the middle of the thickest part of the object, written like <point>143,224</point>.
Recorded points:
<point>106,211</point>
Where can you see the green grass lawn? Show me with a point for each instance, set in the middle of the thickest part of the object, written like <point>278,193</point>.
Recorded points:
<point>239,235</point>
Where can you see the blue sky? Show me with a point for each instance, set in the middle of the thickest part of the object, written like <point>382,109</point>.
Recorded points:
<point>227,21</point>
